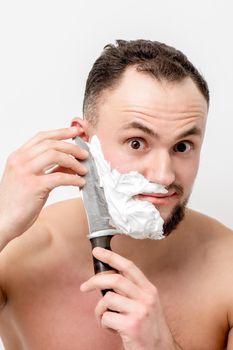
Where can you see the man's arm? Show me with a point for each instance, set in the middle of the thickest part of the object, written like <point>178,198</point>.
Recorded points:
<point>25,184</point>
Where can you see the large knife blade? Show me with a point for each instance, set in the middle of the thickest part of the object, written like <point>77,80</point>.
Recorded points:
<point>94,198</point>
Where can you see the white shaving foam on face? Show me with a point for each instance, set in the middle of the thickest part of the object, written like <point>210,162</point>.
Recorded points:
<point>133,217</point>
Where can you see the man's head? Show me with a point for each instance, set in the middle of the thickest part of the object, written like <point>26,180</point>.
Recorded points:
<point>159,60</point>
<point>148,105</point>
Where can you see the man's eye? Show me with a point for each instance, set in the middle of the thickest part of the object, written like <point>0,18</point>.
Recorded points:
<point>183,147</point>
<point>136,144</point>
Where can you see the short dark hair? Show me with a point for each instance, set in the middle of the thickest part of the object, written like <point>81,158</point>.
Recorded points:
<point>157,59</point>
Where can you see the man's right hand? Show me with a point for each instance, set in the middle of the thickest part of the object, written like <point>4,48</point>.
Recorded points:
<point>25,185</point>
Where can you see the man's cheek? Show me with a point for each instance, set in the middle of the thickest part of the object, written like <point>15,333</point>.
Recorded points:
<point>119,162</point>
<point>186,179</point>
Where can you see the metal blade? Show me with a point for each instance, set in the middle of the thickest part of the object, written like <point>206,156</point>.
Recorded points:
<point>94,199</point>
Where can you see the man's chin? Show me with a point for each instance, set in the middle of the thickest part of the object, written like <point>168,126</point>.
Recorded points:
<point>173,220</point>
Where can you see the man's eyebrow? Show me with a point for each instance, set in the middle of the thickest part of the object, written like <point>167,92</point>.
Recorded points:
<point>142,127</point>
<point>136,125</point>
<point>193,131</point>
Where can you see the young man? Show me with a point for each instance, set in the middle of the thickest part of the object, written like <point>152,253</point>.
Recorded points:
<point>148,106</point>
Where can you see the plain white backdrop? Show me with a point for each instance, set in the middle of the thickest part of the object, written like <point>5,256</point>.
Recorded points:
<point>47,48</point>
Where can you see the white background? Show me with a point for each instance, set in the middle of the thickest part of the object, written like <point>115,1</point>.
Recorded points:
<point>47,48</point>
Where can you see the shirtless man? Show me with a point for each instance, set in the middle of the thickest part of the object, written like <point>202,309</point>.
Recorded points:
<point>148,106</point>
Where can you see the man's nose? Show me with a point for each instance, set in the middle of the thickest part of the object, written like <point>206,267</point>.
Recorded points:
<point>160,169</point>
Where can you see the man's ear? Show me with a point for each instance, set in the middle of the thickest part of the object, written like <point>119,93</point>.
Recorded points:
<point>82,128</point>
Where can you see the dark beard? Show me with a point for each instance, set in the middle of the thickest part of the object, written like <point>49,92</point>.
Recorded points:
<point>175,218</point>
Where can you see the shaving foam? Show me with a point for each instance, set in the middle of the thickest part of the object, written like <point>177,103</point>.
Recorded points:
<point>136,218</point>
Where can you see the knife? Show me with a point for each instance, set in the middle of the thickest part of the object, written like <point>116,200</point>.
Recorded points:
<point>96,207</point>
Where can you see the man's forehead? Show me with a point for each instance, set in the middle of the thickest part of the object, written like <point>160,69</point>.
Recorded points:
<point>142,93</point>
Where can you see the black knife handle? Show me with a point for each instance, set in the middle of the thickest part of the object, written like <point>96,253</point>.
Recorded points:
<point>99,266</point>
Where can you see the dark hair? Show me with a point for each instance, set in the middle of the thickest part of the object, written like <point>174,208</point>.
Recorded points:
<point>155,58</point>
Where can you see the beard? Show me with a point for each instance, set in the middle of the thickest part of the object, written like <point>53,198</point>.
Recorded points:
<point>175,218</point>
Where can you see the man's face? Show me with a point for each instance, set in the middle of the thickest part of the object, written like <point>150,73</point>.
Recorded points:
<point>155,128</point>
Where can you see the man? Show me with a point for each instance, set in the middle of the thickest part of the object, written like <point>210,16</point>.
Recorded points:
<point>148,106</point>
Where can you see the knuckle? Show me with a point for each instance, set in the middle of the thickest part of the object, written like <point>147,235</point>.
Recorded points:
<point>49,143</point>
<point>51,153</point>
<point>17,165</point>
<point>152,297</point>
<point>118,279</point>
<point>154,292</point>
<point>139,317</point>
<point>40,134</point>
<point>151,302</point>
<point>129,264</point>
<point>13,160</point>
<point>142,313</point>
<point>133,325</point>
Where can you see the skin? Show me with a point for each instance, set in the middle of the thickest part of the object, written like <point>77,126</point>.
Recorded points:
<point>169,294</point>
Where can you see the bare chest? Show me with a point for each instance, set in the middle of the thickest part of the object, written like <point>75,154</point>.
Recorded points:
<point>46,310</point>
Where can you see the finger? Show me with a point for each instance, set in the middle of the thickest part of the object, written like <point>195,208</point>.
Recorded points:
<point>114,281</point>
<point>54,180</point>
<point>113,320</point>
<point>50,158</point>
<point>61,146</point>
<point>58,134</point>
<point>59,169</point>
<point>126,267</point>
<point>114,302</point>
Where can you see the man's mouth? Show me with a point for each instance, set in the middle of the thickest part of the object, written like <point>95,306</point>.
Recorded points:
<point>158,198</point>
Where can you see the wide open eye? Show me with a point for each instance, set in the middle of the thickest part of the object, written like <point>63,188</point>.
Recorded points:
<point>182,147</point>
<point>136,144</point>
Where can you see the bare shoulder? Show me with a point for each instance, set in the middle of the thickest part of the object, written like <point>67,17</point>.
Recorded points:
<point>67,225</point>
<point>211,241</point>
<point>67,217</point>
<point>215,241</point>
<point>62,218</point>
<point>210,228</point>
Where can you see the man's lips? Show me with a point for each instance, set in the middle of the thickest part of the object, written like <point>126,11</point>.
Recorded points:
<point>158,198</point>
